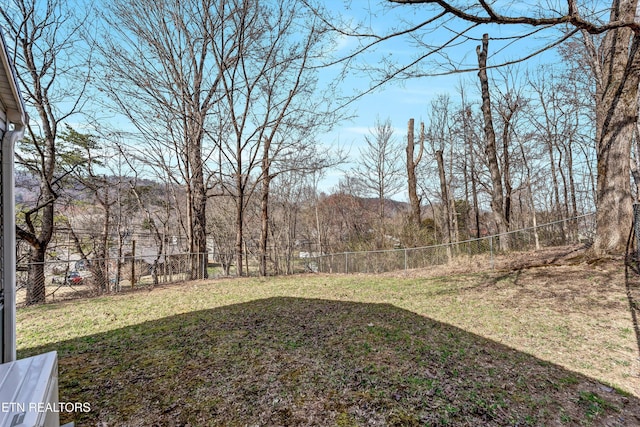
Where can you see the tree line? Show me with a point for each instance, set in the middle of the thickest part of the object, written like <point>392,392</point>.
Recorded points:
<point>223,103</point>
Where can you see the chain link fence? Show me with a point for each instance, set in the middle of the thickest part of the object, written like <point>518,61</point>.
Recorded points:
<point>58,280</point>
<point>580,229</point>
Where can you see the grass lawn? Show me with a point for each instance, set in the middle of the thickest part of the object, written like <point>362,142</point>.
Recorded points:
<point>545,345</point>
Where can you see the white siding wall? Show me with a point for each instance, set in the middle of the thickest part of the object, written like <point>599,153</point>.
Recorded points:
<point>3,127</point>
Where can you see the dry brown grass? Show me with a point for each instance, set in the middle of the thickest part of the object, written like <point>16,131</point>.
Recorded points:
<point>537,341</point>
<point>558,304</point>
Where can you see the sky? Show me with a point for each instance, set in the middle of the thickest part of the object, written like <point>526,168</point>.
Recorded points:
<point>399,101</point>
<point>410,98</point>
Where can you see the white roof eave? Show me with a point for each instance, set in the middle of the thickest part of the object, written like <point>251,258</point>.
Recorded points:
<point>16,112</point>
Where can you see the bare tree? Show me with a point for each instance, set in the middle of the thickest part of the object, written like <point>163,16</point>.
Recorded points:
<point>497,192</point>
<point>156,210</point>
<point>53,71</point>
<point>469,168</point>
<point>441,138</point>
<point>614,64</point>
<point>269,102</point>
<point>162,74</point>
<point>221,229</point>
<point>290,190</point>
<point>102,193</point>
<point>379,169</point>
<point>316,233</point>
<point>557,123</point>
<point>412,163</point>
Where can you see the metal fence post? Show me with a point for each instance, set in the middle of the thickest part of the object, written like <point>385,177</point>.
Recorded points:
<point>346,262</point>
<point>205,264</point>
<point>133,264</point>
<point>405,260</point>
<point>491,250</point>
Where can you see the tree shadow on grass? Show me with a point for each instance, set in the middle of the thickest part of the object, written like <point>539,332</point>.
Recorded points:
<point>292,361</point>
<point>632,280</point>
<point>632,285</point>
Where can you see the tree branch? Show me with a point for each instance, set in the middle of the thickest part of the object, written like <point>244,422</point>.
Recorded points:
<point>572,17</point>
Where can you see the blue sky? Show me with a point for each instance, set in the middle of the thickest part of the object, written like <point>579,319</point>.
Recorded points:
<point>410,98</point>
<point>401,100</point>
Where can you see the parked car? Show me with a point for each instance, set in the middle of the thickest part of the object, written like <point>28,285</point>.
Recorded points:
<point>73,278</point>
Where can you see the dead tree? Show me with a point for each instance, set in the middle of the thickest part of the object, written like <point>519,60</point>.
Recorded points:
<point>412,165</point>
<point>497,192</point>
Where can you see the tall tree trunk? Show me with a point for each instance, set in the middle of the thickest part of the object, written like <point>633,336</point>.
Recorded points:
<point>530,201</point>
<point>36,292</point>
<point>453,214</point>
<point>616,109</point>
<point>101,275</point>
<point>472,173</point>
<point>240,202</point>
<point>444,190</point>
<point>197,192</point>
<point>381,222</point>
<point>198,227</point>
<point>466,180</point>
<point>497,197</point>
<point>572,188</point>
<point>320,246</point>
<point>556,203</point>
<point>412,164</point>
<point>239,199</point>
<point>39,240</point>
<point>35,285</point>
<point>565,196</point>
<point>565,189</point>
<point>264,207</point>
<point>534,221</point>
<point>264,227</point>
<point>506,172</point>
<point>635,162</point>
